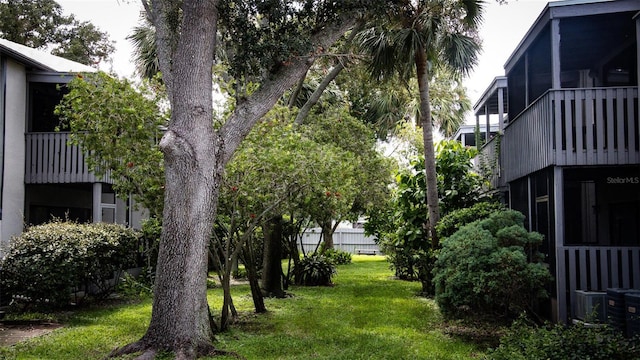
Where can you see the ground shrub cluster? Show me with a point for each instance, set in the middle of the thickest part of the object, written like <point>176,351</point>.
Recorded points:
<point>314,270</point>
<point>490,267</point>
<point>49,262</point>
<point>338,257</point>
<point>560,342</point>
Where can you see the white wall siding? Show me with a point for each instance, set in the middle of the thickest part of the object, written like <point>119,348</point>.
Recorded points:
<point>14,156</point>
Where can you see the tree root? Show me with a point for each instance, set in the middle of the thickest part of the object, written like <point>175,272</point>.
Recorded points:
<point>149,352</point>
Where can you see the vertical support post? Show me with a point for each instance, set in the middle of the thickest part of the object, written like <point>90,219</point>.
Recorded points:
<point>529,205</point>
<point>476,132</point>
<point>526,79</point>
<point>637,17</point>
<point>555,54</point>
<point>561,283</point>
<point>97,202</point>
<point>487,131</point>
<point>501,109</point>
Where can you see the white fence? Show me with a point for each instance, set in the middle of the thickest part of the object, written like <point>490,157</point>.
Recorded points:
<point>346,239</point>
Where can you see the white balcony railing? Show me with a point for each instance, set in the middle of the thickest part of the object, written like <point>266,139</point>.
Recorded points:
<point>49,159</point>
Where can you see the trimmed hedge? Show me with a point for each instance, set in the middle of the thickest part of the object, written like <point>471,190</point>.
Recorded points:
<point>490,267</point>
<point>48,262</point>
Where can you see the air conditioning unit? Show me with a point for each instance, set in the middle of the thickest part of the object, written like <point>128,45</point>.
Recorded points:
<point>590,306</point>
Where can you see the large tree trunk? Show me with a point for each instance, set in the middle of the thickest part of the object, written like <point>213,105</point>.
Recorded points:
<point>422,70</point>
<point>194,163</point>
<point>272,258</point>
<point>195,156</point>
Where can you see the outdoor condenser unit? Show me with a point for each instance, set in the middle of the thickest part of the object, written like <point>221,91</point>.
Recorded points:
<point>590,306</point>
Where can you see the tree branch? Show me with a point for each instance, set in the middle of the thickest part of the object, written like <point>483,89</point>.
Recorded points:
<point>250,111</point>
<point>313,99</point>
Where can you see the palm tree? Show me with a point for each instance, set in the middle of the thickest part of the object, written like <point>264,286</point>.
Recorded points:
<point>416,38</point>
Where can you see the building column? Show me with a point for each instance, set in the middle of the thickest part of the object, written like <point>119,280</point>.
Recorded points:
<point>97,202</point>
<point>555,54</point>
<point>500,109</point>
<point>487,132</point>
<point>559,310</point>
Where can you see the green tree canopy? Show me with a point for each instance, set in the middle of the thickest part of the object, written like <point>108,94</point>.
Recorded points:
<point>119,127</point>
<point>40,24</point>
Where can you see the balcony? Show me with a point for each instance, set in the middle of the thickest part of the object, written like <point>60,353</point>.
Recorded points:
<point>51,160</point>
<point>590,126</point>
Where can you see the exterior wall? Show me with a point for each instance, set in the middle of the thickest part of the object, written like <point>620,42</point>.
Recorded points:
<point>14,154</point>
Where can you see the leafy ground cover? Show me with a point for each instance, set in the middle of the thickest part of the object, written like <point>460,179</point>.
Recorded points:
<point>365,315</point>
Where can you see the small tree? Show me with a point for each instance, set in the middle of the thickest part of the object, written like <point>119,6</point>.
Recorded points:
<point>119,128</point>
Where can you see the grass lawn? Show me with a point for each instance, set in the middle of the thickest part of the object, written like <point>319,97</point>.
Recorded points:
<point>366,315</point>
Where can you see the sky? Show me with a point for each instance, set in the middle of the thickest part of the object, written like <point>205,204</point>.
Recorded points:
<point>502,29</point>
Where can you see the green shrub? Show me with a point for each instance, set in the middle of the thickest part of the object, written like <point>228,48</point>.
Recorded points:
<point>456,219</point>
<point>490,267</point>
<point>314,270</point>
<point>560,342</point>
<point>338,257</point>
<point>48,262</point>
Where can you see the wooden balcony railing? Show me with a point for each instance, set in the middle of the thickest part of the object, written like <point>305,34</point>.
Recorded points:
<point>50,160</point>
<point>595,126</point>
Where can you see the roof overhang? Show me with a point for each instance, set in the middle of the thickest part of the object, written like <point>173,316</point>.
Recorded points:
<point>564,9</point>
<point>40,60</point>
<point>488,102</point>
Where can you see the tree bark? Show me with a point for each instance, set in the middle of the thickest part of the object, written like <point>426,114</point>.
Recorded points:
<point>422,70</point>
<point>315,96</point>
<point>252,275</point>
<point>327,235</point>
<point>195,156</point>
<point>194,163</point>
<point>272,258</point>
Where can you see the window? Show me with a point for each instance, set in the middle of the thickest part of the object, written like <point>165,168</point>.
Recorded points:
<point>43,98</point>
<point>602,206</point>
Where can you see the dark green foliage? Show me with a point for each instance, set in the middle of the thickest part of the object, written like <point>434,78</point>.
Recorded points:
<point>490,267</point>
<point>561,342</point>
<point>314,270</point>
<point>47,262</point>
<point>338,257</point>
<point>266,35</point>
<point>456,219</point>
<point>405,242</point>
<point>458,185</point>
<point>41,24</point>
